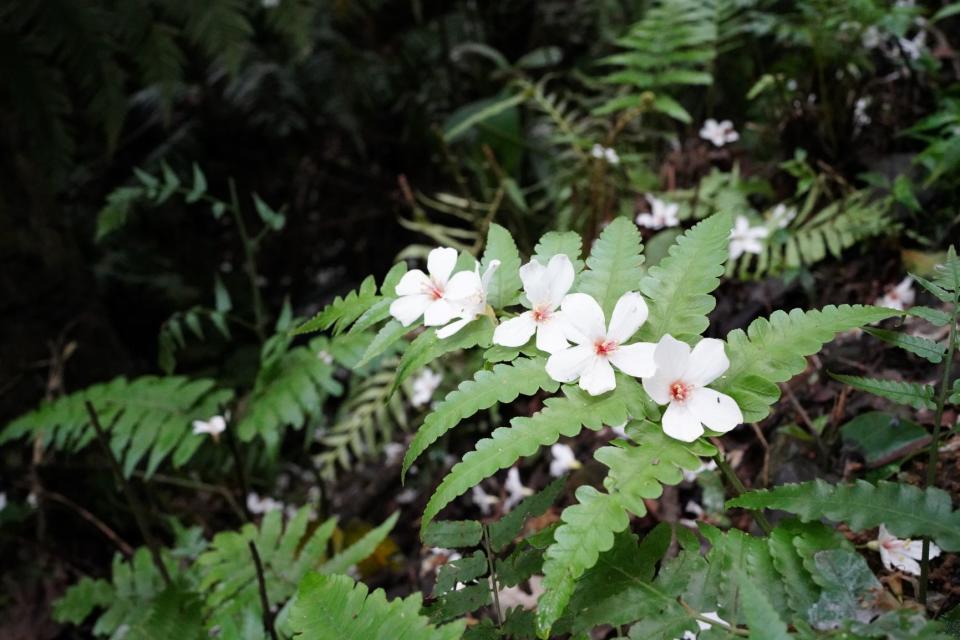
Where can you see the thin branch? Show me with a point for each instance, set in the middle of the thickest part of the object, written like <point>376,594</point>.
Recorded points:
<point>739,489</point>
<point>264,601</point>
<point>112,535</point>
<point>493,575</point>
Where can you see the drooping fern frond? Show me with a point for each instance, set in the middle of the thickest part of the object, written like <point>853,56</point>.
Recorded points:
<point>911,394</point>
<point>363,306</point>
<point>338,607</point>
<point>148,417</point>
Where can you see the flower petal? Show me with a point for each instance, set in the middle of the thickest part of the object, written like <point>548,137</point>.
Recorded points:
<point>439,312</point>
<point>550,335</point>
<point>441,262</point>
<point>406,309</point>
<point>631,312</point>
<point>598,377</point>
<point>569,364</point>
<point>584,322</point>
<point>413,282</point>
<point>453,327</point>
<point>708,361</point>
<point>680,423</point>
<point>635,359</point>
<point>515,332</point>
<point>671,357</point>
<point>716,410</point>
<point>533,275</point>
<point>560,276</point>
<point>463,285</point>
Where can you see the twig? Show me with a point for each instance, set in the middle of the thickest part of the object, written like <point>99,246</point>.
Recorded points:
<point>739,489</point>
<point>805,419</point>
<point>197,486</point>
<point>262,584</point>
<point>132,500</point>
<point>766,452</point>
<point>250,263</point>
<point>112,535</point>
<point>493,575</point>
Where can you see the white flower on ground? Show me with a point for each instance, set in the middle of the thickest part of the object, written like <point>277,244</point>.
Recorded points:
<point>899,297</point>
<point>483,500</point>
<point>662,214</point>
<point>781,216</point>
<point>3,501</point>
<point>690,476</point>
<point>512,597</point>
<point>258,505</point>
<point>516,491</point>
<point>545,287</point>
<point>394,452</point>
<point>32,500</point>
<point>598,346</point>
<point>467,290</point>
<point>704,626</point>
<point>606,154</point>
<point>746,239</point>
<point>719,133</point>
<point>420,294</point>
<point>424,385</point>
<point>900,554</point>
<point>214,426</point>
<point>436,557</point>
<point>860,116</point>
<point>681,381</point>
<point>563,460</point>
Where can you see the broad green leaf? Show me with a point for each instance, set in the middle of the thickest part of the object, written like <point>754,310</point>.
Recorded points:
<point>505,282</point>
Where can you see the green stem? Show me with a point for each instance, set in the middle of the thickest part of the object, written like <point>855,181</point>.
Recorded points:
<point>262,588</point>
<point>693,613</point>
<point>739,489</point>
<point>934,454</point>
<point>493,575</point>
<point>250,264</point>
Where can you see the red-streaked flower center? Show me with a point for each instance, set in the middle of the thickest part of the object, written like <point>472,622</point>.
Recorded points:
<point>541,314</point>
<point>605,347</point>
<point>679,391</point>
<point>433,289</point>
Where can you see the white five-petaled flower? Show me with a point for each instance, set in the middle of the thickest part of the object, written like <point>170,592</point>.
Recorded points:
<point>606,154</point>
<point>681,381</point>
<point>483,500</point>
<point>563,460</point>
<point>597,345</point>
<point>704,626</point>
<point>662,214</point>
<point>425,294</point>
<point>424,385</point>
<point>545,287</point>
<point>516,491</point>
<point>746,239</point>
<point>781,216</point>
<point>900,554</point>
<point>467,290</point>
<point>719,133</point>
<point>900,296</point>
<point>258,505</point>
<point>214,426</point>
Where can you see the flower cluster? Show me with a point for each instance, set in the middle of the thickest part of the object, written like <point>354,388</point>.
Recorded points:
<point>583,346</point>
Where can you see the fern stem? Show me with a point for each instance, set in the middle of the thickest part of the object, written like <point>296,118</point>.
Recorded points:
<point>132,500</point>
<point>934,455</point>
<point>262,585</point>
<point>693,613</point>
<point>493,575</point>
<point>739,489</point>
<point>240,472</point>
<point>250,264</point>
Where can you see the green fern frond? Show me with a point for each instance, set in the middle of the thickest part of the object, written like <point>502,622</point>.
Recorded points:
<point>614,265</point>
<point>505,282</point>
<point>924,347</point>
<point>338,607</point>
<point>911,394</point>
<point>219,27</point>
<point>427,347</point>
<point>343,312</point>
<point>557,242</point>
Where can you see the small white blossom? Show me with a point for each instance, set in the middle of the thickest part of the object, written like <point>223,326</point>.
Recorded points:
<point>214,426</point>
<point>563,460</point>
<point>861,118</point>
<point>719,133</point>
<point>690,476</point>
<point>545,287</point>
<point>424,385</point>
<point>900,554</point>
<point>681,381</point>
<point>516,491</point>
<point>782,215</point>
<point>662,214</point>
<point>425,294</point>
<point>606,154</point>
<point>394,452</point>
<point>3,501</point>
<point>325,356</point>
<point>512,597</point>
<point>258,505</point>
<point>407,496</point>
<point>32,500</point>
<point>483,500</point>
<point>704,626</point>
<point>598,346</point>
<point>746,239</point>
<point>467,290</point>
<point>899,297</point>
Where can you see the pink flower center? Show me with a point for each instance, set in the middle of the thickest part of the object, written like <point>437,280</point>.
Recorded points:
<point>434,289</point>
<point>605,347</point>
<point>679,391</point>
<point>541,314</point>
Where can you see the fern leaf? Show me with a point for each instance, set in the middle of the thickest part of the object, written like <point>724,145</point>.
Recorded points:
<point>342,311</point>
<point>388,335</point>
<point>761,615</point>
<point>907,511</point>
<point>923,347</point>
<point>679,287</point>
<point>338,607</point>
<point>427,347</point>
<point>911,394</point>
<point>220,28</point>
<point>501,385</point>
<point>774,350</point>
<point>505,282</point>
<point>615,264</point>
<point>555,242</point>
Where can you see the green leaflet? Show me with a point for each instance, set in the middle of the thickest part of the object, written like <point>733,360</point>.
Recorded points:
<point>504,530</point>
<point>761,615</point>
<point>678,288</point>
<point>362,305</point>
<point>452,534</point>
<point>338,607</point>
<point>911,394</point>
<point>563,416</point>
<point>614,264</point>
<point>505,282</point>
<point>502,384</point>
<point>565,242</point>
<point>427,347</point>
<point>799,588</point>
<point>907,511</point>
<point>388,335</point>
<point>774,350</point>
<point>923,347</point>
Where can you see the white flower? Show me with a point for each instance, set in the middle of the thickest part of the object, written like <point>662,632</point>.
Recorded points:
<point>425,295</point>
<point>423,387</point>
<point>516,491</point>
<point>690,476</point>
<point>746,239</point>
<point>512,597</point>
<point>258,505</point>
<point>681,380</point>
<point>719,133</point>
<point>214,426</point>
<point>900,296</point>
<point>32,500</point>
<point>782,215</point>
<point>563,460</point>
<point>704,626</point>
<point>902,554</point>
<point>467,290</point>
<point>860,116</point>
<point>325,356</point>
<point>3,501</point>
<point>598,345</point>
<point>620,430</point>
<point>607,154</point>
<point>483,500</point>
<point>394,452</point>
<point>545,287</point>
<point>662,214</point>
